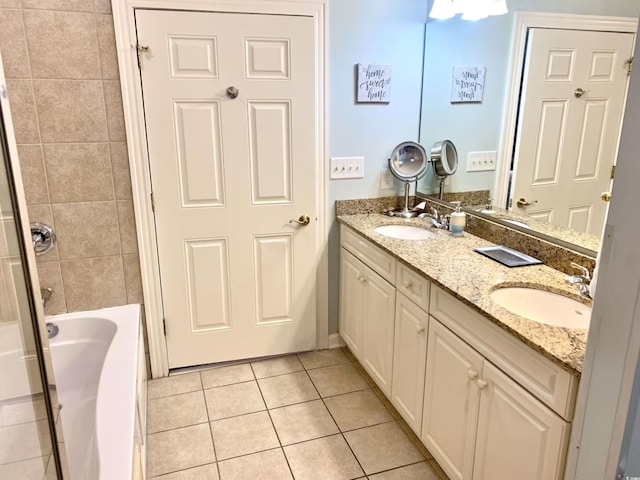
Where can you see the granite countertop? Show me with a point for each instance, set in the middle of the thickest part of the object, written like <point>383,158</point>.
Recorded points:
<point>451,263</point>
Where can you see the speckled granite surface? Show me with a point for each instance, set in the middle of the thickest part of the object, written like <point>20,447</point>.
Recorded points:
<point>475,197</point>
<point>451,263</point>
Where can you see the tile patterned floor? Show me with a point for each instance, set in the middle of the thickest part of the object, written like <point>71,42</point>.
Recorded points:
<point>314,415</point>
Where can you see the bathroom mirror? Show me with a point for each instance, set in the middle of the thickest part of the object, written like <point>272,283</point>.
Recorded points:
<point>478,126</point>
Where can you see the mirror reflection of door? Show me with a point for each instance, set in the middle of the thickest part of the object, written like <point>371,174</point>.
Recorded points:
<point>573,93</point>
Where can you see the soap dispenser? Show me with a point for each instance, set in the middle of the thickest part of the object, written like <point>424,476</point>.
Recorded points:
<point>458,220</point>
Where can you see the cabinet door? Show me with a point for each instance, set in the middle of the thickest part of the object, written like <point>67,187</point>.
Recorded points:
<point>451,401</point>
<point>409,360</point>
<point>518,437</point>
<point>352,290</point>
<point>377,350</point>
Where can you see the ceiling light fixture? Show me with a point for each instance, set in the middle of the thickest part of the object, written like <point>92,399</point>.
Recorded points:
<point>470,9</point>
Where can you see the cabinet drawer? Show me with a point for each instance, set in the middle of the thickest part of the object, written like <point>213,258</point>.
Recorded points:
<point>547,381</point>
<point>377,259</point>
<point>414,286</point>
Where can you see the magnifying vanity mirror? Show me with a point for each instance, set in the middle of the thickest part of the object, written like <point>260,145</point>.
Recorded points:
<point>408,163</point>
<point>498,140</point>
<point>444,158</point>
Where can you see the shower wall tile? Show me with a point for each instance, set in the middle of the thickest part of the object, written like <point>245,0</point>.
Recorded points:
<point>102,6</point>
<point>13,44</point>
<point>62,44</point>
<point>92,283</point>
<point>71,110</point>
<point>127,224</point>
<point>79,172</point>
<point>23,110</point>
<point>132,278</point>
<point>43,214</point>
<point>121,172</point>
<point>33,174</point>
<point>107,43</point>
<point>63,5</point>
<point>115,116</point>
<point>87,230</point>
<point>51,276</point>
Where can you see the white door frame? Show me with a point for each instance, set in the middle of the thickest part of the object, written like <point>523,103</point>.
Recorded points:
<point>125,30</point>
<point>522,21</point>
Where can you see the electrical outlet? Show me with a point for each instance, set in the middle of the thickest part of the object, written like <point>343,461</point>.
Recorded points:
<point>347,167</point>
<point>481,161</point>
<point>386,179</point>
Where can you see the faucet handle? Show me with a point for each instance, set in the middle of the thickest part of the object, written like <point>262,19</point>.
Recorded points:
<point>584,270</point>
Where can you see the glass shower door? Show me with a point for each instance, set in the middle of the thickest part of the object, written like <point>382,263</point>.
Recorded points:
<point>28,408</point>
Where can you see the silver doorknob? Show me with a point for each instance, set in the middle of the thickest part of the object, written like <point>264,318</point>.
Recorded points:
<point>304,220</point>
<point>522,202</point>
<point>232,92</point>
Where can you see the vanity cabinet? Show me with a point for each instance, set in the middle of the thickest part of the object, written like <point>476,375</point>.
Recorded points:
<point>487,406</point>
<point>480,424</point>
<point>367,308</point>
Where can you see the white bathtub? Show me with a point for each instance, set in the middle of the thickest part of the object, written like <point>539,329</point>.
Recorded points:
<point>95,358</point>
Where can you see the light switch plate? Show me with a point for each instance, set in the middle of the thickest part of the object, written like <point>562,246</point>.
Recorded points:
<point>347,167</point>
<point>481,161</point>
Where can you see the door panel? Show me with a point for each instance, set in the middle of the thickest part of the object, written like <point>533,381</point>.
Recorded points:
<point>567,140</point>
<point>352,308</point>
<point>518,437</point>
<point>238,279</point>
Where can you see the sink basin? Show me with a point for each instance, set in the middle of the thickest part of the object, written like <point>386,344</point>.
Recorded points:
<point>404,232</point>
<point>543,307</point>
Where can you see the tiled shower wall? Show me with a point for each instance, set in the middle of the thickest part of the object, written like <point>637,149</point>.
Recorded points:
<point>60,61</point>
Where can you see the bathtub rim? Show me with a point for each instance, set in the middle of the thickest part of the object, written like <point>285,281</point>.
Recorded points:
<point>118,374</point>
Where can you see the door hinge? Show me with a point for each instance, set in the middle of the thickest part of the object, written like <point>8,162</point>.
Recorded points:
<point>613,171</point>
<point>629,64</point>
<point>164,326</point>
<point>510,202</point>
<point>141,49</point>
<point>153,204</point>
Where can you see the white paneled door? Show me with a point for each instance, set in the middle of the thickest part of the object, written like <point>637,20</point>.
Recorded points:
<point>230,111</point>
<point>573,93</point>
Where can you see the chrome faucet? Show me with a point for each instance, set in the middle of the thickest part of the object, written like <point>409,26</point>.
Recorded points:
<point>580,281</point>
<point>438,221</point>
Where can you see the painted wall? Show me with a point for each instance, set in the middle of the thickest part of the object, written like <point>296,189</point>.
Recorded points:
<point>370,31</point>
<point>477,127</point>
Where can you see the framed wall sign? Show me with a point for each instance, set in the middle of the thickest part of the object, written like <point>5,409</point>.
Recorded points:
<point>468,84</point>
<point>374,83</point>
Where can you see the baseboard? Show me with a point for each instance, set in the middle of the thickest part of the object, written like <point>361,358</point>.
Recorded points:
<point>335,341</point>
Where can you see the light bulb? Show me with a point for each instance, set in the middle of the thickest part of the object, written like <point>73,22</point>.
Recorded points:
<point>475,10</point>
<point>442,9</point>
<point>497,7</point>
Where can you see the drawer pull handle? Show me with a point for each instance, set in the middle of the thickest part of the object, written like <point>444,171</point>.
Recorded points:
<point>420,328</point>
<point>472,374</point>
<point>408,284</point>
<point>481,383</point>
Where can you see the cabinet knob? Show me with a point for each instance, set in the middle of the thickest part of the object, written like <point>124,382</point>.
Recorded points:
<point>419,328</point>
<point>472,374</point>
<point>481,383</point>
<point>408,284</point>
<point>361,278</point>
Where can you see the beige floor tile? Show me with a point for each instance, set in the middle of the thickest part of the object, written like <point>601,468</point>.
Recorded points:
<point>232,400</point>
<point>287,389</point>
<point>167,386</point>
<point>27,410</point>
<point>323,358</point>
<point>269,465</point>
<point>218,377</point>
<point>243,435</point>
<point>348,353</point>
<point>417,471</point>
<point>385,401</point>
<point>361,370</point>
<point>337,380</point>
<point>179,449</point>
<point>323,459</point>
<point>382,447</point>
<point>303,421</point>
<point>33,468</point>
<point>177,411</point>
<point>24,441</point>
<point>277,366</point>
<point>357,410</point>
<point>204,472</point>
